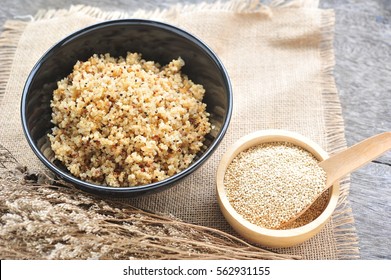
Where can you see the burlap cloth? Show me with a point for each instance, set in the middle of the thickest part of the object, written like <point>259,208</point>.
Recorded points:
<point>280,60</point>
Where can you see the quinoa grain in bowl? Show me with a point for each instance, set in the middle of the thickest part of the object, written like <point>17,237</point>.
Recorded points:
<point>127,121</point>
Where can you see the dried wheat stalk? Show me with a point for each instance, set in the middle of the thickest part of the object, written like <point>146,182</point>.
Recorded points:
<point>56,221</point>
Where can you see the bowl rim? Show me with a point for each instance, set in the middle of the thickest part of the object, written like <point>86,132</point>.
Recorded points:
<point>103,189</point>
<point>247,228</point>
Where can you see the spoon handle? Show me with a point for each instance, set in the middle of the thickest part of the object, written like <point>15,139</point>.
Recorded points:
<point>347,161</point>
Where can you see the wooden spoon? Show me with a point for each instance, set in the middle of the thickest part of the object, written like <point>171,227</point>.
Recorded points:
<point>349,160</point>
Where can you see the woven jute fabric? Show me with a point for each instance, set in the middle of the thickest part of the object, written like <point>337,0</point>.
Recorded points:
<point>280,61</point>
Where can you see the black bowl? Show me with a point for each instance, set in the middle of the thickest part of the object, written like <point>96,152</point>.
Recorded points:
<point>155,41</point>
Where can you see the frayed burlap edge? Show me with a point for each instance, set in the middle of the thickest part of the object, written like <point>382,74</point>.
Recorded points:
<point>238,6</point>
<point>9,38</point>
<point>343,221</point>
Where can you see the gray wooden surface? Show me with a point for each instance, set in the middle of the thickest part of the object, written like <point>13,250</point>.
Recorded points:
<point>363,76</point>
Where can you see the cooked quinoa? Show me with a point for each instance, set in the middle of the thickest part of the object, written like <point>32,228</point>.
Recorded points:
<point>127,121</point>
<point>270,183</point>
